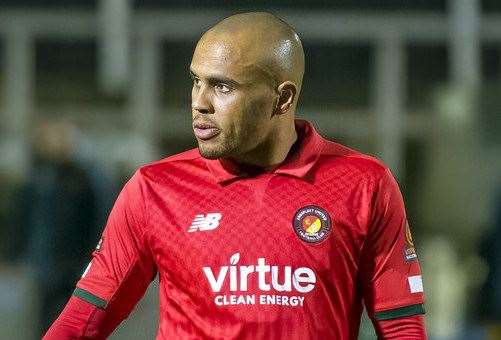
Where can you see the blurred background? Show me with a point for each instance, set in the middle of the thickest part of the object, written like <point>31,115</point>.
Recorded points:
<point>90,90</point>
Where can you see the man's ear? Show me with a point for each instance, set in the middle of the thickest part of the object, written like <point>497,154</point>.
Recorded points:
<point>287,92</point>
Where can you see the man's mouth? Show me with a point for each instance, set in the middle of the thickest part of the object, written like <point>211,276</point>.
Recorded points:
<point>205,131</point>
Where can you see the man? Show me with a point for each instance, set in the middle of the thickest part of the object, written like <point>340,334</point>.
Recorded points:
<point>267,230</point>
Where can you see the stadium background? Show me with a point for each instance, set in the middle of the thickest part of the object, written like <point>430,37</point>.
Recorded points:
<point>90,90</point>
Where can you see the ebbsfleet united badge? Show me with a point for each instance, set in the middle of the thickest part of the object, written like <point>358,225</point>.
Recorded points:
<point>312,224</point>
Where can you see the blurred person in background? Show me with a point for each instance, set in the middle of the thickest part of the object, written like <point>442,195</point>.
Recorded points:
<point>57,215</point>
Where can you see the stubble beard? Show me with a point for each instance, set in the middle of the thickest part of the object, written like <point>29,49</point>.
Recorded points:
<point>214,150</point>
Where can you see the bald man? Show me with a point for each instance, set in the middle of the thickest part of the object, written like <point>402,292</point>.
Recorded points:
<point>266,230</point>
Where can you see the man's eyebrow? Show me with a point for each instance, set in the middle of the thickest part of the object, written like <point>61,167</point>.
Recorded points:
<point>214,79</point>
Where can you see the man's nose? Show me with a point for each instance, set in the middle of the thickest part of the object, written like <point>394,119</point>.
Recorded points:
<point>200,101</point>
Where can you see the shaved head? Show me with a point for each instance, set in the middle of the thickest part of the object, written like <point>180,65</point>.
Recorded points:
<point>265,40</point>
<point>247,73</point>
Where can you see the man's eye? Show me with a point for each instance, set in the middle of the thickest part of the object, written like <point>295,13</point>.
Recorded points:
<point>222,88</point>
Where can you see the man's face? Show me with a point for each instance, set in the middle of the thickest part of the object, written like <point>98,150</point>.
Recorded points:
<point>232,100</point>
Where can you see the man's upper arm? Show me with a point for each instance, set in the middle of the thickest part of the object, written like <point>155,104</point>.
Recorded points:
<point>390,272</point>
<point>121,269</point>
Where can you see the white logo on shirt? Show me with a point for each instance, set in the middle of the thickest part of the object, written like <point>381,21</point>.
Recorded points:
<point>415,283</point>
<point>271,281</point>
<point>203,222</point>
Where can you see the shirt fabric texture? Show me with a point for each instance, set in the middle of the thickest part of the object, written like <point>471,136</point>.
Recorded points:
<point>293,252</point>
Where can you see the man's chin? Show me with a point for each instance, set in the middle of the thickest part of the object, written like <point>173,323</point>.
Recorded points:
<point>210,153</point>
<point>215,149</point>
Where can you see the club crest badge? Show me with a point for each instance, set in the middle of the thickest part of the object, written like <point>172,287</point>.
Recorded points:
<point>312,224</point>
<point>409,250</point>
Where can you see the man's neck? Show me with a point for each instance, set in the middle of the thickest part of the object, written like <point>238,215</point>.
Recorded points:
<point>271,153</point>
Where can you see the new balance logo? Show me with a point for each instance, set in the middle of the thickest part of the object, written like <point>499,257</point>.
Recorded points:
<point>205,222</point>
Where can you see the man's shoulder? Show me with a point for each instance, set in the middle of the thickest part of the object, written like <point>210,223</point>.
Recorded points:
<point>338,154</point>
<point>185,156</point>
<point>180,159</point>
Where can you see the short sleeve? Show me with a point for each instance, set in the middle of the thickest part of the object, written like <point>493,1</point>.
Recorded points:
<point>122,265</point>
<point>390,272</point>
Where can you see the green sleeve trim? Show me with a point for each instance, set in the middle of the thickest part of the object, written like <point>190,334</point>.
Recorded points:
<point>400,312</point>
<point>90,298</point>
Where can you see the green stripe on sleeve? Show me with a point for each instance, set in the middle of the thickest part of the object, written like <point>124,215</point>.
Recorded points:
<point>90,298</point>
<point>400,312</point>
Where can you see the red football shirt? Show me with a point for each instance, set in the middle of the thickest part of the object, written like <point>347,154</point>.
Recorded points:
<point>291,253</point>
